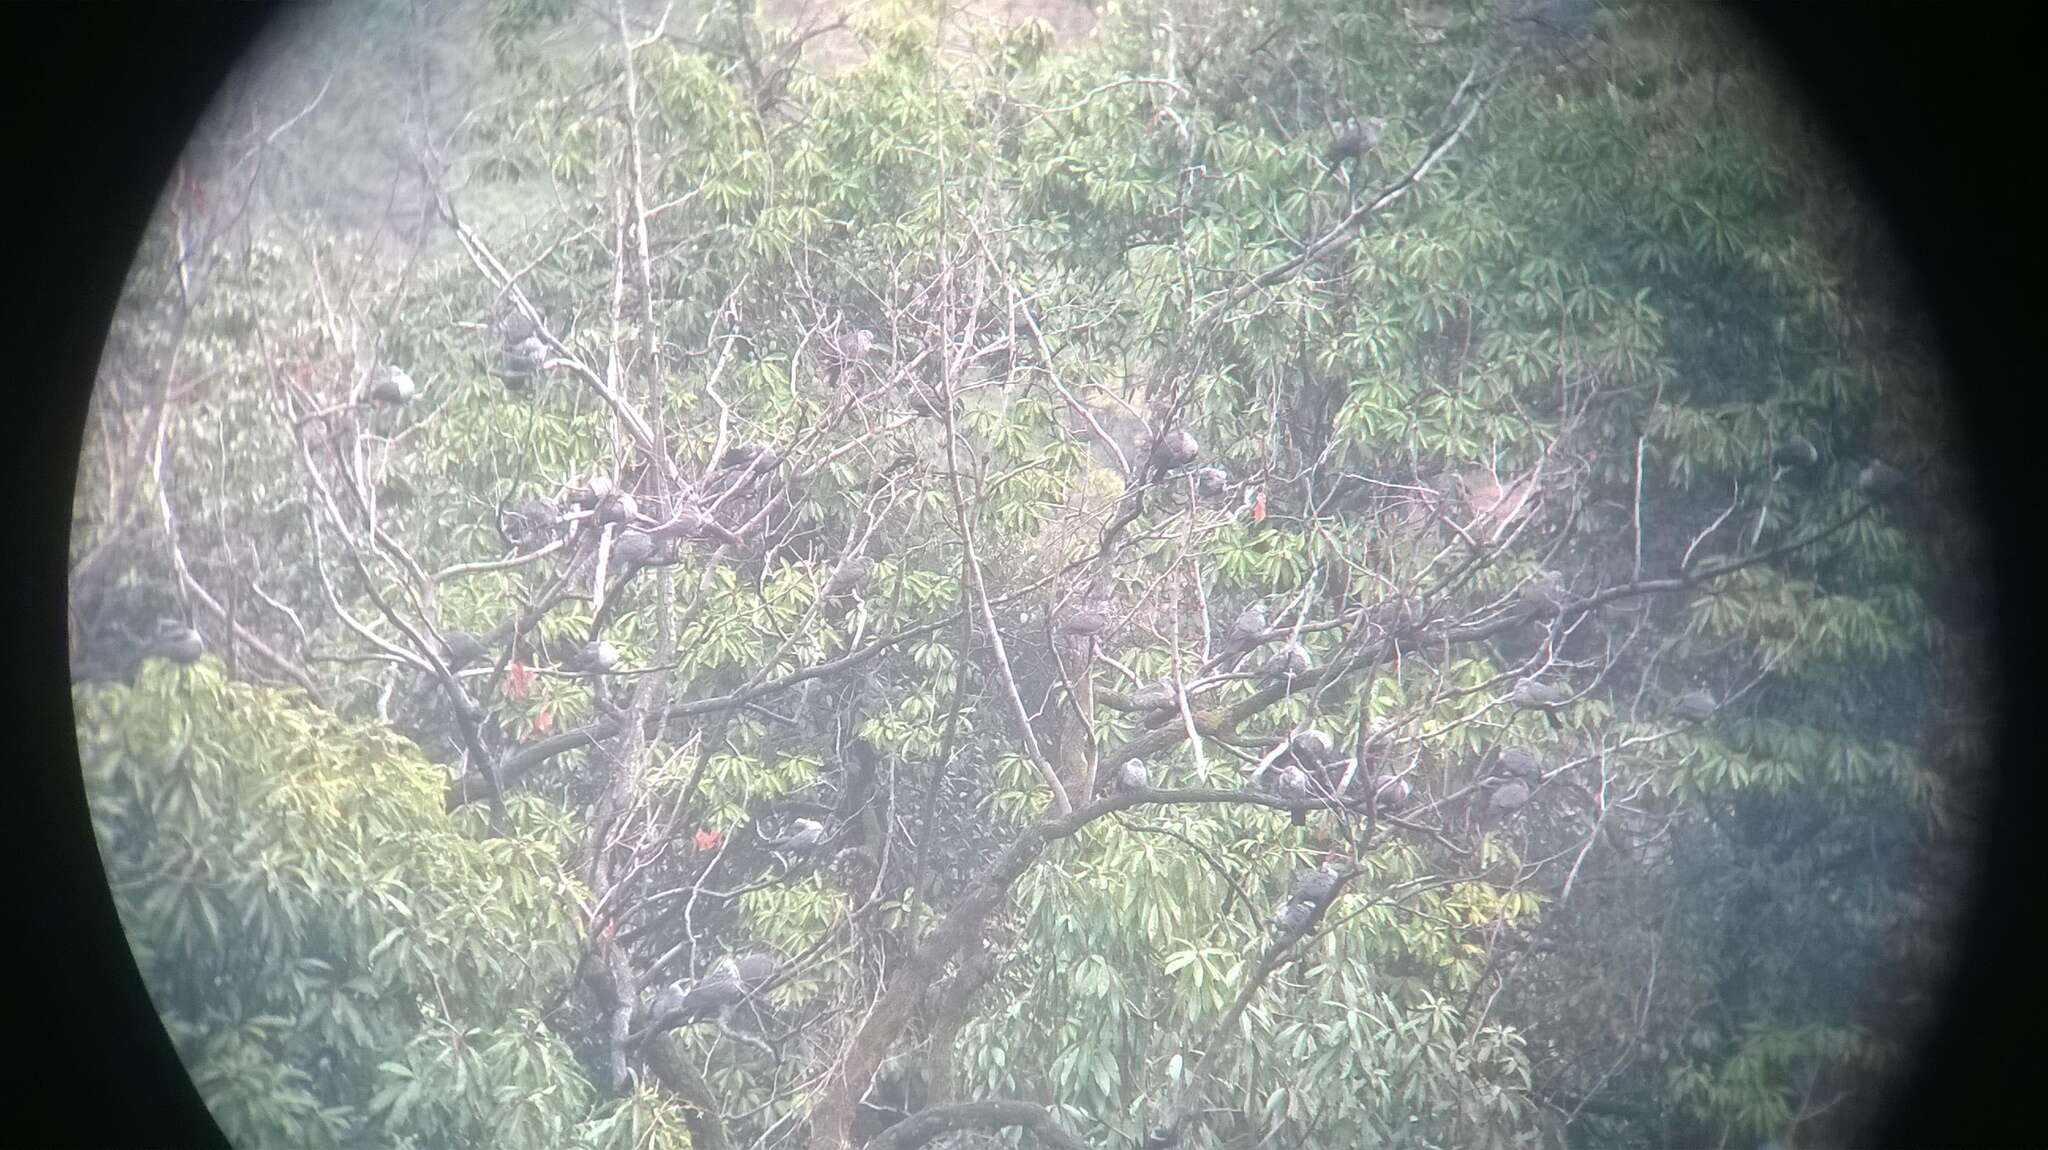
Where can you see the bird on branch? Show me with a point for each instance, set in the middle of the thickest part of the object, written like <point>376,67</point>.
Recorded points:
<point>1248,628</point>
<point>635,549</point>
<point>1355,138</point>
<point>1879,481</point>
<point>393,387</point>
<point>524,360</point>
<point>1391,790</point>
<point>1517,763</point>
<point>1544,596</point>
<point>1505,798</point>
<point>1288,664</point>
<point>593,658</point>
<point>849,577</point>
<point>1175,450</point>
<point>177,641</point>
<point>528,523</point>
<point>805,835</point>
<point>1796,451</point>
<point>1291,783</point>
<point>1309,892</point>
<point>1311,747</point>
<point>730,981</point>
<point>1695,705</point>
<point>1155,696</point>
<point>1534,695</point>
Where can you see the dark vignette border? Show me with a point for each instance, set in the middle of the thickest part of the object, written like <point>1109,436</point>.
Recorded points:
<point>1934,108</point>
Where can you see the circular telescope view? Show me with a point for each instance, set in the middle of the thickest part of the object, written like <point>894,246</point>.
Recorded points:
<point>1031,574</point>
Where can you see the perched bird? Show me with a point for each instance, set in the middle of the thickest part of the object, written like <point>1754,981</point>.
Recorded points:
<point>1156,696</point>
<point>759,456</point>
<point>726,985</point>
<point>1313,885</point>
<point>1176,449</point>
<point>1212,482</point>
<point>529,522</point>
<point>1506,799</point>
<point>596,490</point>
<point>618,507</point>
<point>804,835</point>
<point>1531,695</point>
<point>1545,595</point>
<point>1308,891</point>
<point>1695,705</point>
<point>1289,663</point>
<point>1293,918</point>
<point>524,359</point>
<point>850,576</point>
<point>176,640</point>
<point>461,648</point>
<point>392,386</point>
<point>1249,626</point>
<point>1133,776</point>
<point>593,658</point>
<point>1796,451</point>
<point>850,867</point>
<point>1880,480</point>
<point>1291,783</point>
<point>1310,747</point>
<point>668,1005</point>
<point>1355,137</point>
<point>900,1089</point>
<point>1087,619</point>
<point>1391,790</point>
<point>1517,763</point>
<point>634,548</point>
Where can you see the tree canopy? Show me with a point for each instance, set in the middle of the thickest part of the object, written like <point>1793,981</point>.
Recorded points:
<point>1310,574</point>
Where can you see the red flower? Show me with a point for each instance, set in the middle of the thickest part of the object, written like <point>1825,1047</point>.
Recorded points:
<point>544,721</point>
<point>707,840</point>
<point>1259,508</point>
<point>518,680</point>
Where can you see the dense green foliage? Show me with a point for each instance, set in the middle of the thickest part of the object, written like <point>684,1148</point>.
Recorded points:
<point>1558,319</point>
<point>334,956</point>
